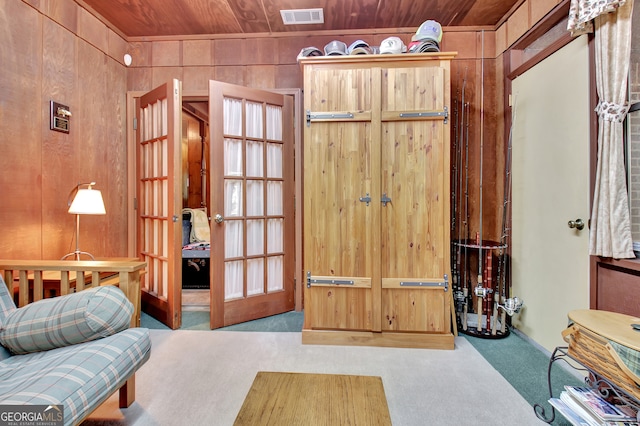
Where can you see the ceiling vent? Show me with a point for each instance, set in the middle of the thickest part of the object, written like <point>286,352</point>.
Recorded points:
<point>302,16</point>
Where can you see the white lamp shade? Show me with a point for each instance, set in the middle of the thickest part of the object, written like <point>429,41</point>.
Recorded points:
<point>87,201</point>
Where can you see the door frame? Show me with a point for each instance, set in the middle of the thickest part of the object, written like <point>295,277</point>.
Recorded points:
<point>203,95</point>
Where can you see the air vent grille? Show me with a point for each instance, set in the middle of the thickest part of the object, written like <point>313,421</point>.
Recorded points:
<point>302,16</point>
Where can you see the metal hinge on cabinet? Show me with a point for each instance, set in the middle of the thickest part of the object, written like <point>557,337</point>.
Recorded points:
<point>326,116</point>
<point>444,284</point>
<point>444,113</point>
<point>326,281</point>
<point>135,123</point>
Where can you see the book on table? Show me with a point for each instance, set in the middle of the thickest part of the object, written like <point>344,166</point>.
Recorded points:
<point>593,402</point>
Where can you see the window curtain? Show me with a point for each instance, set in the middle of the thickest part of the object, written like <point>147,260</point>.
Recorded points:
<point>610,230</point>
<point>583,12</point>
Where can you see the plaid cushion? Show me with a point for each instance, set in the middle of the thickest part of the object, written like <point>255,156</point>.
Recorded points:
<point>630,357</point>
<point>80,377</point>
<point>6,300</point>
<point>6,307</point>
<point>67,320</point>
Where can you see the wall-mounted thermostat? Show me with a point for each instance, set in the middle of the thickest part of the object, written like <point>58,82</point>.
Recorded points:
<point>60,115</point>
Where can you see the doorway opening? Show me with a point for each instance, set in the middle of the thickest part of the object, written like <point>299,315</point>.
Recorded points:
<point>196,213</point>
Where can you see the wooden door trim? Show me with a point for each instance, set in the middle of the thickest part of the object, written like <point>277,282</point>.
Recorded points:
<point>132,184</point>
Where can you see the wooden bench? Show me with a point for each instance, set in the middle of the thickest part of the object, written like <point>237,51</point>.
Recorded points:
<point>33,277</point>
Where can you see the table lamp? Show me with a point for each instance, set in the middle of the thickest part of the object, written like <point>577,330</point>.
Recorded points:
<point>85,201</point>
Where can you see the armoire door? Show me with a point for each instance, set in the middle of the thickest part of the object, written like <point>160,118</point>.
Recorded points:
<point>159,202</point>
<point>341,181</point>
<point>252,204</point>
<point>415,180</point>
<point>376,201</point>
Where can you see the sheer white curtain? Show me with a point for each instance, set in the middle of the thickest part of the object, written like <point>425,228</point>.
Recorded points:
<point>255,197</point>
<point>253,194</point>
<point>610,230</point>
<point>275,225</point>
<point>233,200</point>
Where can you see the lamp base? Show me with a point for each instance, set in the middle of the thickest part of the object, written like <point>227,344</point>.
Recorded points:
<point>77,254</point>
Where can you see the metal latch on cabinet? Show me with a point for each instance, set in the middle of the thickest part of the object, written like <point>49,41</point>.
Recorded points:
<point>326,281</point>
<point>444,284</point>
<point>444,113</point>
<point>326,116</point>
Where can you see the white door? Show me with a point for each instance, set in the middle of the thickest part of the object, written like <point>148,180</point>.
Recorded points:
<point>550,188</point>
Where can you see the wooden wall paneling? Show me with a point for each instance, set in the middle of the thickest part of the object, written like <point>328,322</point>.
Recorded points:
<point>197,53</point>
<point>20,140</point>
<point>58,84</point>
<point>539,8</point>
<point>501,39</point>
<point>618,289</point>
<point>161,75</point>
<point>92,145</point>
<point>64,13</point>
<point>141,54</point>
<point>194,161</point>
<point>166,53</point>
<point>261,51</point>
<point>492,149</point>
<point>115,141</point>
<point>117,47</point>
<point>376,37</point>
<point>290,47</point>
<point>463,42</point>
<point>481,114</point>
<point>518,23</point>
<point>197,78</point>
<point>260,76</point>
<point>92,30</point>
<point>500,135</point>
<point>38,4</point>
<point>486,44</point>
<point>139,78</point>
<point>288,76</point>
<point>230,74</point>
<point>230,52</point>
<point>461,70</point>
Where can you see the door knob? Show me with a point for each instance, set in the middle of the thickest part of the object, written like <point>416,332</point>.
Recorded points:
<point>577,224</point>
<point>218,218</point>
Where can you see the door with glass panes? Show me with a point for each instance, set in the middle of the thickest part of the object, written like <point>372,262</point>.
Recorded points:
<point>252,204</point>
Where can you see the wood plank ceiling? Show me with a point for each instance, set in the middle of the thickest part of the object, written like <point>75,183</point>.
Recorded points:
<point>156,18</point>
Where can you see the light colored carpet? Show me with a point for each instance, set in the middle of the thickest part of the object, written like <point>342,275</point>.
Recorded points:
<point>203,377</point>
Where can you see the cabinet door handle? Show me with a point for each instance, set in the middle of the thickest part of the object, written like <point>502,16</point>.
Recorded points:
<point>384,200</point>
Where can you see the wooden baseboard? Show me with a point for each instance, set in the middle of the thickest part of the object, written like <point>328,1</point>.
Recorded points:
<point>384,339</point>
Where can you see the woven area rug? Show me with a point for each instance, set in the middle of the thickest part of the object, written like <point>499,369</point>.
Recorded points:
<point>314,399</point>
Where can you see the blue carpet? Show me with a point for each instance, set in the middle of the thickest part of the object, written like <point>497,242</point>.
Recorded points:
<point>526,367</point>
<point>199,320</point>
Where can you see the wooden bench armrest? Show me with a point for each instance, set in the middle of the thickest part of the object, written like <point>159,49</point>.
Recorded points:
<point>28,279</point>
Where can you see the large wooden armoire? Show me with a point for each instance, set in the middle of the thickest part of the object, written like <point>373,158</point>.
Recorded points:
<point>377,200</point>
